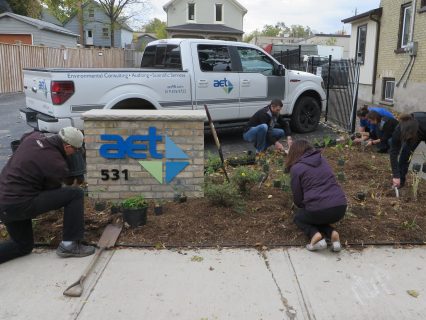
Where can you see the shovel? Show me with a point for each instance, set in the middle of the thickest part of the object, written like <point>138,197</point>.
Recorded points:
<point>217,142</point>
<point>107,240</point>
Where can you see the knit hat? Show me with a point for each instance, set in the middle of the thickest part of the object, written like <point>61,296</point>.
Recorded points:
<point>72,136</point>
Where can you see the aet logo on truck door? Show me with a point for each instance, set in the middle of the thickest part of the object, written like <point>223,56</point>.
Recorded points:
<point>225,84</point>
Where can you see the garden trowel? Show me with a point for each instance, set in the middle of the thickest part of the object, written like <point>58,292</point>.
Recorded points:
<point>107,240</point>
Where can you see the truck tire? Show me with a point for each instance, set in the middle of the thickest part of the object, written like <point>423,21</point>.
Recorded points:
<point>306,115</point>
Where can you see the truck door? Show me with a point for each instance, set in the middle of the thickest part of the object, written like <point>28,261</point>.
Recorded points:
<point>216,82</point>
<point>259,83</point>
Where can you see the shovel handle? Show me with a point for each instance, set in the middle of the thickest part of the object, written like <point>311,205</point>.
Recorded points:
<point>76,289</point>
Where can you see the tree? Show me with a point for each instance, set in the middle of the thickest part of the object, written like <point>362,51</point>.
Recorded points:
<point>4,6</point>
<point>29,8</point>
<point>114,10</point>
<point>299,31</point>
<point>158,27</point>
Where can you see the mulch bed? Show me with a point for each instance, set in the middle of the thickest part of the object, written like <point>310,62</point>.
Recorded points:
<point>267,220</point>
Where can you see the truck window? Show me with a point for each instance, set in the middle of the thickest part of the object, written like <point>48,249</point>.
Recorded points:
<point>214,58</point>
<point>255,61</point>
<point>162,57</point>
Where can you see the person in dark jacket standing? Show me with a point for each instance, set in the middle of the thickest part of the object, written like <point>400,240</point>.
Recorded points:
<point>320,199</point>
<point>261,130</point>
<point>30,184</point>
<point>405,139</point>
<point>384,129</point>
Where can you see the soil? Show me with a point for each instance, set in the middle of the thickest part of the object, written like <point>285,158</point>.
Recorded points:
<point>267,219</point>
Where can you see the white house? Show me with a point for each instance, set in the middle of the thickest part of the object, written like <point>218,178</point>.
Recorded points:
<point>206,19</point>
<point>363,47</point>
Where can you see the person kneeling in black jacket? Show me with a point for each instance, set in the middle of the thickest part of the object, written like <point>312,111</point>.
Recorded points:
<point>31,184</point>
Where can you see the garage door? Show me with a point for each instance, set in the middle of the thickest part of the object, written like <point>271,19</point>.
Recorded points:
<point>13,38</point>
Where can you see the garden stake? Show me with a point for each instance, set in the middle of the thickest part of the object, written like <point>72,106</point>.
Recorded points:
<point>216,140</point>
<point>107,240</point>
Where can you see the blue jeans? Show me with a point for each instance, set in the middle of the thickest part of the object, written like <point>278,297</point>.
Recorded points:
<point>259,135</point>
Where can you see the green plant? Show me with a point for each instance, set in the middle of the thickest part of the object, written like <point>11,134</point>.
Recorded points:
<point>327,141</point>
<point>137,202</point>
<point>212,163</point>
<point>410,225</point>
<point>245,178</point>
<point>225,195</point>
<point>340,147</point>
<point>416,176</point>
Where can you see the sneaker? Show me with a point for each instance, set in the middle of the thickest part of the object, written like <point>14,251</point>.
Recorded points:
<point>336,246</point>
<point>320,245</point>
<point>76,249</point>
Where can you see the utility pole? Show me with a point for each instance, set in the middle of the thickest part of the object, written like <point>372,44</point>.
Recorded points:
<point>81,22</point>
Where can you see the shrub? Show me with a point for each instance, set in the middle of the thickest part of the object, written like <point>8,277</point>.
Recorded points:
<point>212,164</point>
<point>225,195</point>
<point>136,202</point>
<point>245,178</point>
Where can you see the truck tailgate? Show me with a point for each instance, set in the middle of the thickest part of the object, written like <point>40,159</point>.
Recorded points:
<point>37,91</point>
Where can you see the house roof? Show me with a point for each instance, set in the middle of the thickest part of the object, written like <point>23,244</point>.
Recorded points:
<point>42,25</point>
<point>331,35</point>
<point>199,27</point>
<point>151,35</point>
<point>48,17</point>
<point>377,12</point>
<point>235,2</point>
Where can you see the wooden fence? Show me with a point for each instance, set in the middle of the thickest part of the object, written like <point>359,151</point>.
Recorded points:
<point>15,57</point>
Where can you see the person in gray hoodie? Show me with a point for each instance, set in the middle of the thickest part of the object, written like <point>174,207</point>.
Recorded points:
<point>316,193</point>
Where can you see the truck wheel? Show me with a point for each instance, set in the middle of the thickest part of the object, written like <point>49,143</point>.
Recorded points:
<point>306,115</point>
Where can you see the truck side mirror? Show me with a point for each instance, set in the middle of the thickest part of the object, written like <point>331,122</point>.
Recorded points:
<point>280,70</point>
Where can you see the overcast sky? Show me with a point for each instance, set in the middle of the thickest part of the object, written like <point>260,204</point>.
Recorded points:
<point>322,16</point>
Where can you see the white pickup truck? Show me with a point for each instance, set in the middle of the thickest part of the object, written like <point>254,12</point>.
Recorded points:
<point>234,79</point>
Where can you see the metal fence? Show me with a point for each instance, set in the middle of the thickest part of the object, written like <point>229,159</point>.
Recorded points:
<point>15,57</point>
<point>341,78</point>
<point>291,59</point>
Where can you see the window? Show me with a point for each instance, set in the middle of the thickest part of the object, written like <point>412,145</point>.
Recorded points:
<point>255,61</point>
<point>219,12</point>
<point>361,43</point>
<point>162,56</point>
<point>91,12</point>
<point>191,11</point>
<point>423,4</point>
<point>89,34</point>
<point>105,32</point>
<point>388,89</point>
<point>405,30</point>
<point>214,58</point>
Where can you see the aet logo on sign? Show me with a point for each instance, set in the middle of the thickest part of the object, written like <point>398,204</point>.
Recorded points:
<point>133,148</point>
<point>225,84</point>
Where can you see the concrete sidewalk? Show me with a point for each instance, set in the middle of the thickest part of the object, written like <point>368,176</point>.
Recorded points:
<point>227,284</point>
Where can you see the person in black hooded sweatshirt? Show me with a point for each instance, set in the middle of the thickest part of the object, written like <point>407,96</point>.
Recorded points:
<point>405,139</point>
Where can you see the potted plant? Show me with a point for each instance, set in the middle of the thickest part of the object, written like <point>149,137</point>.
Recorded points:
<point>416,167</point>
<point>100,206</point>
<point>277,183</point>
<point>360,195</point>
<point>424,167</point>
<point>115,208</point>
<point>341,176</point>
<point>158,208</point>
<point>134,211</point>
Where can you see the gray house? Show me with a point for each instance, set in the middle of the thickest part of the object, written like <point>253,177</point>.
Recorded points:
<point>15,28</point>
<point>143,39</point>
<point>97,28</point>
<point>205,19</point>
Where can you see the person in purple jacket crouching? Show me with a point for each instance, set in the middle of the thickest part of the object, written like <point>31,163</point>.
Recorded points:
<point>316,193</point>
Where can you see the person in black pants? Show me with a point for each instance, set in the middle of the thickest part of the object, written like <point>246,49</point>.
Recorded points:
<point>30,184</point>
<point>384,130</point>
<point>405,139</point>
<point>320,199</point>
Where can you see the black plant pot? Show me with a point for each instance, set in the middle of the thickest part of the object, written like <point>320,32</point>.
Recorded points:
<point>100,205</point>
<point>183,198</point>
<point>158,210</point>
<point>14,145</point>
<point>277,183</point>
<point>115,209</point>
<point>360,196</point>
<point>135,217</point>
<point>341,162</point>
<point>416,167</point>
<point>340,176</point>
<point>76,164</point>
<point>424,167</point>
